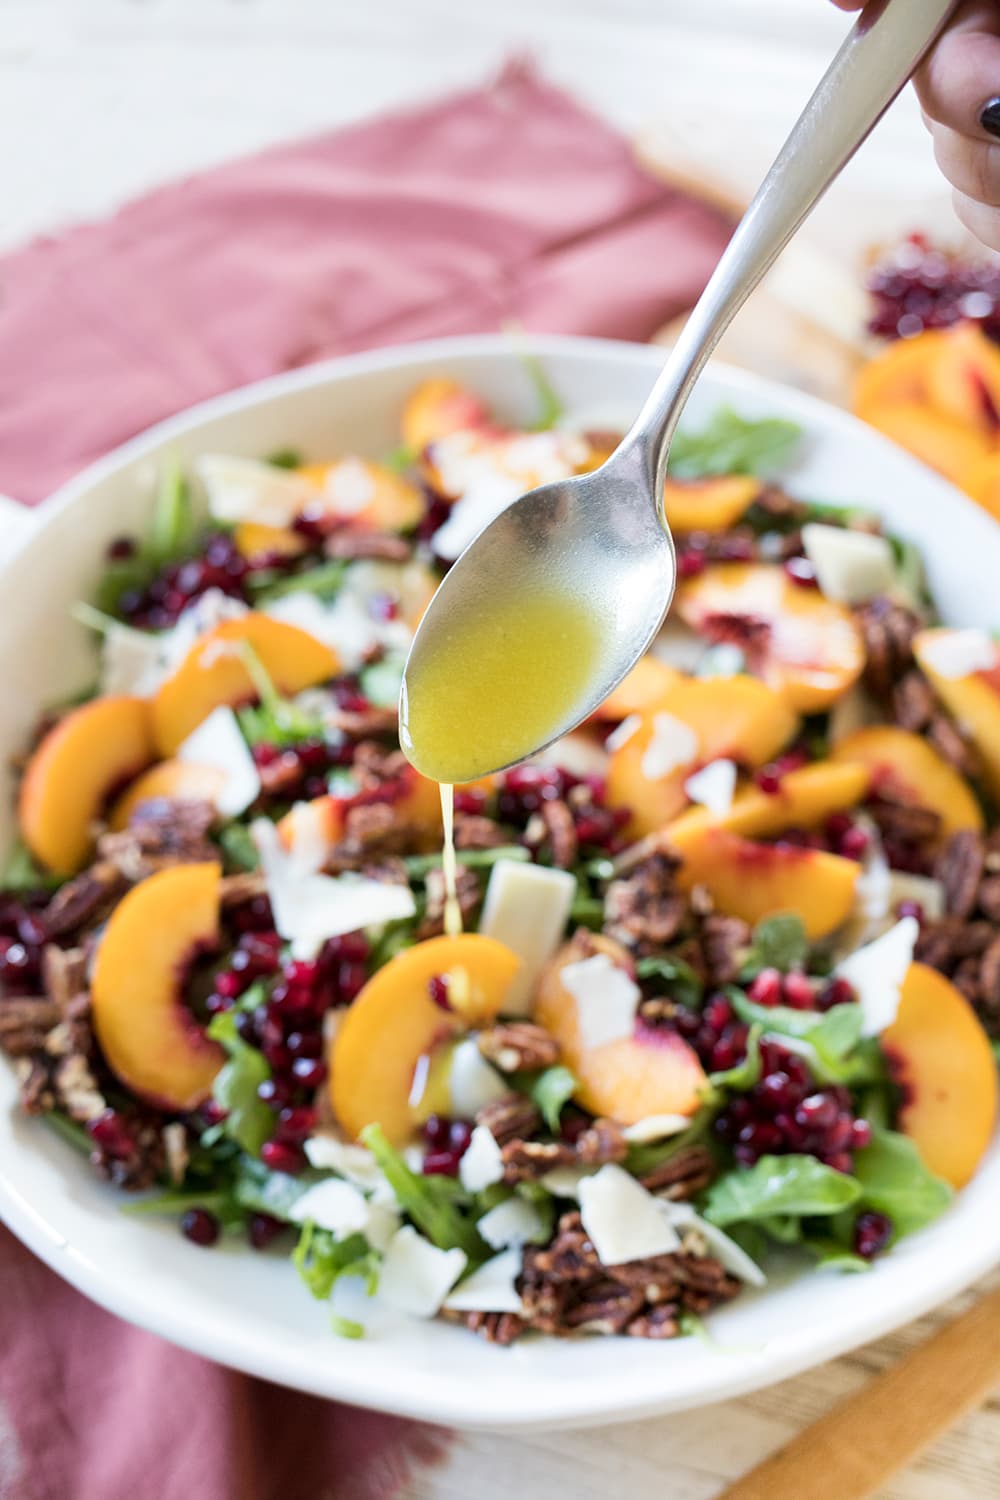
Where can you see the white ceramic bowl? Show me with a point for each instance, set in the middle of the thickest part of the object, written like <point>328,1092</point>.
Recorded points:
<point>250,1310</point>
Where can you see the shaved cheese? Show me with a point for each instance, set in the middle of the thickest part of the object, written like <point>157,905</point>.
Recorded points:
<point>356,1163</point>
<point>722,660</point>
<point>624,732</point>
<point>473,1083</point>
<point>416,1276</point>
<point>308,845</point>
<point>958,653</point>
<point>244,489</point>
<point>713,786</point>
<point>383,1223</point>
<point>606,1000</point>
<point>731,1256</point>
<point>488,475</point>
<point>334,1205</point>
<point>564,1182</point>
<point>655,1128</point>
<point>577,753</point>
<point>218,742</point>
<point>347,626</point>
<point>481,1164</point>
<point>491,1287</point>
<point>348,486</point>
<point>672,743</point>
<point>622,1220</point>
<point>851,567</point>
<point>526,908</point>
<point>131,662</point>
<point>677,645</point>
<point>877,972</point>
<point>514,1222</point>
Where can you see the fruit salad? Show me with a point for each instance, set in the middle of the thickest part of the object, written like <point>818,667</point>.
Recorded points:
<point>729,972</point>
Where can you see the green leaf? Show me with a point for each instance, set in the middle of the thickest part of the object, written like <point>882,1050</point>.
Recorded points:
<point>779,942</point>
<point>682,982</point>
<point>417,865</point>
<point>173,530</point>
<point>68,1130</point>
<point>784,1229</point>
<point>238,847</point>
<point>895,1182</point>
<point>400,459</point>
<point>101,623</point>
<point>551,1090</point>
<point>587,911</point>
<point>119,578</point>
<point>830,1255</point>
<point>277,720</point>
<point>779,1185</point>
<point>21,873</point>
<point>324,581</point>
<point>176,1202</point>
<point>381,681</point>
<point>746,1074</point>
<point>285,458</point>
<point>425,1199</point>
<point>642,1159</point>
<point>259,1190</point>
<point>249,1121</point>
<point>346,1328</point>
<point>321,1260</point>
<point>837,1053</point>
<point>550,407</point>
<point>729,444</point>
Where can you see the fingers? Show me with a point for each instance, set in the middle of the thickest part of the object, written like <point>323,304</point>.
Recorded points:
<point>961,74</point>
<point>972,167</point>
<point>980,218</point>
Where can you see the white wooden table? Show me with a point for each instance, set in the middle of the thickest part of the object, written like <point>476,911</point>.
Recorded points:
<point>102,99</point>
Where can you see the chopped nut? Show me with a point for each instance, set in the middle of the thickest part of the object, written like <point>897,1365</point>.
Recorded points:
<point>913,703</point>
<point>473,832</point>
<point>950,743</point>
<point>161,832</point>
<point>682,1175</point>
<point>495,1328</point>
<point>83,901</point>
<point>645,908</point>
<point>600,1143</point>
<point>25,1021</point>
<point>175,1147</point>
<point>467,889</point>
<point>511,1119</point>
<point>64,972</point>
<point>960,869</point>
<point>527,1161</point>
<point>519,1046</point>
<point>76,1089</point>
<point>352,543</point>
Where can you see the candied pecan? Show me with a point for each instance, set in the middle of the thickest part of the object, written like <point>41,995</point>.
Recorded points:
<point>967,979</point>
<point>496,1328</point>
<point>527,1161</point>
<point>683,1175</point>
<point>913,703</point>
<point>660,1322</point>
<point>358,723</point>
<point>374,828</point>
<point>645,907</point>
<point>161,833</point>
<point>237,890</point>
<point>25,1021</point>
<point>937,944</point>
<point>988,897</point>
<point>657,1277</point>
<point>467,889</point>
<point>472,832</point>
<point>84,900</point>
<point>959,869</point>
<point>569,1255</point>
<point>76,1090</point>
<point>908,821</point>
<point>775,504</point>
<point>554,823</point>
<point>601,1142</point>
<point>34,1084</point>
<point>352,543</point>
<point>64,972</point>
<point>888,630</point>
<point>373,765</point>
<point>723,942</point>
<point>512,1118</point>
<point>142,1165</point>
<point>175,1150</point>
<point>606,1307</point>
<point>950,743</point>
<point>516,1046</point>
<point>989,983</point>
<point>543,1304</point>
<point>280,775</point>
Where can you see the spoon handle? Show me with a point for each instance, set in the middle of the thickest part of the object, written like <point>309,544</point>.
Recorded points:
<point>880,53</point>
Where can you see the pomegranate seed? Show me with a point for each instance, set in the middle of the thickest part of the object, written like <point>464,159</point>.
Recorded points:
<point>229,985</point>
<point>303,973</point>
<point>111,1132</point>
<point>282,1156</point>
<point>872,1232</point>
<point>690,563</point>
<point>212,1113</point>
<point>437,988</point>
<point>296,1124</point>
<point>200,1227</point>
<point>768,781</point>
<point>836,825</point>
<point>817,1112</point>
<point>262,1229</point>
<point>572,1124</point>
<point>840,1161</point>
<point>471,803</point>
<point>351,979</point>
<point>911,909</point>
<point>459,1136</point>
<point>441,1163</point>
<point>861,1135</point>
<point>854,844</point>
<point>275,1092</point>
<point>304,1044</point>
<point>797,991</point>
<point>309,1072</point>
<point>436,1131</point>
<point>766,988</point>
<point>836,992</point>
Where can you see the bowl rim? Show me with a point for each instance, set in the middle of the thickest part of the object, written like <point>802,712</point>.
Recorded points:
<point>568,1404</point>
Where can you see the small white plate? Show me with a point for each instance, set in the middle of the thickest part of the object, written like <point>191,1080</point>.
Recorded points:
<point>249,1310</point>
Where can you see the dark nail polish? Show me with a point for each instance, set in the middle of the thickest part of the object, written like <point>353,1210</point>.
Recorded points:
<point>989,116</point>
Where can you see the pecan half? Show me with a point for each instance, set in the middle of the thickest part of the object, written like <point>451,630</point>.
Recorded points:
<point>645,908</point>
<point>351,543</point>
<point>511,1119</point>
<point>600,1143</point>
<point>519,1046</point>
<point>960,869</point>
<point>25,1021</point>
<point>527,1161</point>
<point>913,703</point>
<point>683,1175</point>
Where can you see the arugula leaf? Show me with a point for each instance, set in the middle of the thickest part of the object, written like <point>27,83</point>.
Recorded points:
<point>238,847</point>
<point>730,444</point>
<point>683,983</point>
<point>285,458</point>
<point>418,865</point>
<point>550,407</point>
<point>837,1053</point>
<point>21,873</point>
<point>779,942</point>
<point>277,720</point>
<point>401,458</point>
<point>220,1203</point>
<point>894,1181</point>
<point>324,581</point>
<point>380,682</point>
<point>746,1074</point>
<point>428,1202</point>
<point>587,911</point>
<point>173,530</point>
<point>259,1190</point>
<point>68,1130</point>
<point>779,1185</point>
<point>321,1260</point>
<point>832,1256</point>
<point>642,1159</point>
<point>346,1328</point>
<point>551,1090</point>
<point>249,1121</point>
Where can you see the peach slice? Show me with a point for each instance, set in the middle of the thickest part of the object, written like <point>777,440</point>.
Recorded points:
<point>807,648</point>
<point>938,440</point>
<point>806,797</point>
<point>943,1059</point>
<point>438,407</point>
<point>648,1073</point>
<point>963,379</point>
<point>753,881</point>
<point>907,767</point>
<point>709,504</point>
<point>973,700</point>
<point>214,672</point>
<point>171,780</point>
<point>735,718</point>
<point>899,373</point>
<point>392,504</point>
<point>394,1023</point>
<point>645,685</point>
<point>72,773</point>
<point>324,815</point>
<point>982,482</point>
<point>150,1040</point>
<point>255,540</point>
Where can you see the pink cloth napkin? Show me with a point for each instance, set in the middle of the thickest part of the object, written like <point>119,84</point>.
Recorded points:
<point>509,202</point>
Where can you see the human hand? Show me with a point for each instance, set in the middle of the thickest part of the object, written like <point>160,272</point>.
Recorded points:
<point>958,84</point>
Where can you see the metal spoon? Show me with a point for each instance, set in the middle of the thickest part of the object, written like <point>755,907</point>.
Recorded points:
<point>603,536</point>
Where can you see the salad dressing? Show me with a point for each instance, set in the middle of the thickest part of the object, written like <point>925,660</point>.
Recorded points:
<point>449,863</point>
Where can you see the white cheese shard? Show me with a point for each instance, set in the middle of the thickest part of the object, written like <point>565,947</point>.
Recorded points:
<point>308,908</point>
<point>348,486</point>
<point>473,1083</point>
<point>731,1256</point>
<point>851,567</point>
<point>877,972</point>
<point>491,1287</point>
<point>527,907</point>
<point>356,1163</point>
<point>577,753</point>
<point>564,1182</point>
<point>959,653</point>
<point>623,1222</point>
<point>606,1000</point>
<point>383,1223</point>
<point>416,1276</point>
<point>672,743</point>
<point>245,489</point>
<point>713,786</point>
<point>722,660</point>
<point>655,1128</point>
<point>131,662</point>
<point>218,742</point>
<point>308,844</point>
<point>678,646</point>
<point>621,735</point>
<point>482,1163</point>
<point>924,889</point>
<point>349,625</point>
<point>334,1205</point>
<point>513,1222</point>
